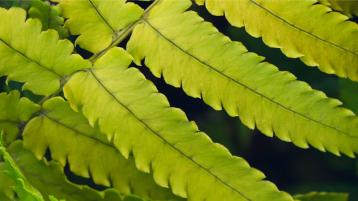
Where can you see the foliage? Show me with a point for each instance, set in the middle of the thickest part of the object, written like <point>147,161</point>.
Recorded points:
<point>49,178</point>
<point>73,141</point>
<point>246,76</point>
<point>102,120</point>
<point>23,188</point>
<point>300,35</point>
<point>14,111</point>
<point>314,196</point>
<point>349,8</point>
<point>50,16</point>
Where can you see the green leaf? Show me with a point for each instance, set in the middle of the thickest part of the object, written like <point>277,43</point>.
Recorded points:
<point>51,198</point>
<point>88,153</point>
<point>98,22</point>
<point>6,193</point>
<point>37,58</point>
<point>348,93</point>
<point>23,188</point>
<point>301,29</point>
<point>322,196</point>
<point>50,179</point>
<point>347,7</point>
<point>139,121</point>
<point>13,111</point>
<point>15,3</point>
<point>190,53</point>
<point>49,15</point>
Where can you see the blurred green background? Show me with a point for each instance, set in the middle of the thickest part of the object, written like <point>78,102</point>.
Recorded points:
<point>292,169</point>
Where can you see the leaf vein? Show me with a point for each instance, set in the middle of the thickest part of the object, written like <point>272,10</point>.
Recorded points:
<point>78,132</point>
<point>302,30</point>
<point>244,85</point>
<point>102,17</point>
<point>31,60</point>
<point>165,141</point>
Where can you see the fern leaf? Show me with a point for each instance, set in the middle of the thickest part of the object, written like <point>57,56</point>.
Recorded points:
<point>71,139</point>
<point>13,111</point>
<point>15,3</point>
<point>50,179</point>
<point>6,193</point>
<point>98,22</point>
<point>192,54</point>
<point>302,29</point>
<point>51,198</point>
<point>37,58</point>
<point>23,188</point>
<point>322,196</point>
<point>139,120</point>
<point>348,8</point>
<point>49,15</point>
<point>348,93</point>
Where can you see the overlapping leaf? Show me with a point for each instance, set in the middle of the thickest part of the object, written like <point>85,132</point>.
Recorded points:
<point>23,188</point>
<point>301,29</point>
<point>13,111</point>
<point>15,3</point>
<point>348,7</point>
<point>98,22</point>
<point>192,54</point>
<point>6,192</point>
<point>139,121</point>
<point>71,139</point>
<point>49,178</point>
<point>348,93</point>
<point>37,58</point>
<point>49,15</point>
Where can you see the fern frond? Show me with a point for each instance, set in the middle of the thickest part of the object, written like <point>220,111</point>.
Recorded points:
<point>139,120</point>
<point>50,179</point>
<point>192,54</point>
<point>49,15</point>
<point>322,196</point>
<point>13,111</point>
<point>348,93</point>
<point>15,3</point>
<point>71,139</point>
<point>98,22</point>
<point>347,7</point>
<point>23,188</point>
<point>37,58</point>
<point>6,193</point>
<point>302,29</point>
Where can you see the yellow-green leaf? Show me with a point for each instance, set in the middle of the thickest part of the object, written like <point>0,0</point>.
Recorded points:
<point>13,111</point>
<point>88,153</point>
<point>37,58</point>
<point>24,190</point>
<point>98,22</point>
<point>190,53</point>
<point>51,181</point>
<point>140,122</point>
<point>301,29</point>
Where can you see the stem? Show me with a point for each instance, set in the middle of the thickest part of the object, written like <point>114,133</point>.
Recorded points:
<point>50,96</point>
<point>121,35</point>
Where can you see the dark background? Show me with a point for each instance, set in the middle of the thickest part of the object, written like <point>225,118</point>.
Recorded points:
<point>292,169</point>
